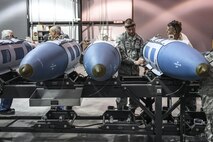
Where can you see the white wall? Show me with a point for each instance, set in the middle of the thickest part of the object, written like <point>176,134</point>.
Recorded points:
<point>106,10</point>
<point>196,16</point>
<point>52,10</point>
<point>13,15</point>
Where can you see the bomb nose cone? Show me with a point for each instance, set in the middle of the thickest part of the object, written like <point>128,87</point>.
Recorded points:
<point>202,69</point>
<point>99,70</point>
<point>26,70</point>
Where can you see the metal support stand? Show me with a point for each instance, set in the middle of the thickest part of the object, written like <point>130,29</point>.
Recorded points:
<point>158,114</point>
<point>156,122</point>
<point>119,120</point>
<point>57,119</point>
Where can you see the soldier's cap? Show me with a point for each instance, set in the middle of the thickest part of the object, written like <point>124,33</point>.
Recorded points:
<point>129,23</point>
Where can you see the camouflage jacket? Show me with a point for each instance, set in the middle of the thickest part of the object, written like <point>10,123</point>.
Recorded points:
<point>206,90</point>
<point>62,36</point>
<point>130,49</point>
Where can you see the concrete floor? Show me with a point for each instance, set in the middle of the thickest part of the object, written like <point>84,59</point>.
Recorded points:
<point>92,106</point>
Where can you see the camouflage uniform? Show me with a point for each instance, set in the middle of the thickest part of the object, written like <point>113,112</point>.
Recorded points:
<point>58,37</point>
<point>206,92</point>
<point>130,49</point>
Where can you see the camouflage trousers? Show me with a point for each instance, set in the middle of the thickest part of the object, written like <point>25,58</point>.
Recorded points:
<point>207,105</point>
<point>209,128</point>
<point>122,103</point>
<point>127,70</point>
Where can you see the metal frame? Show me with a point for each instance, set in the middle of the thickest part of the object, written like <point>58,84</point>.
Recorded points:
<point>137,88</point>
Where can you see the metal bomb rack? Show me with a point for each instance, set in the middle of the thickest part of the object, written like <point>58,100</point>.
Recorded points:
<point>69,90</point>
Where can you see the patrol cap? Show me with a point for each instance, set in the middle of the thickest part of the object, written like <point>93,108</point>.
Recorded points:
<point>129,23</point>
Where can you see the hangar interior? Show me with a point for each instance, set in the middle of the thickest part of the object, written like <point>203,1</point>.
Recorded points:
<point>67,80</point>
